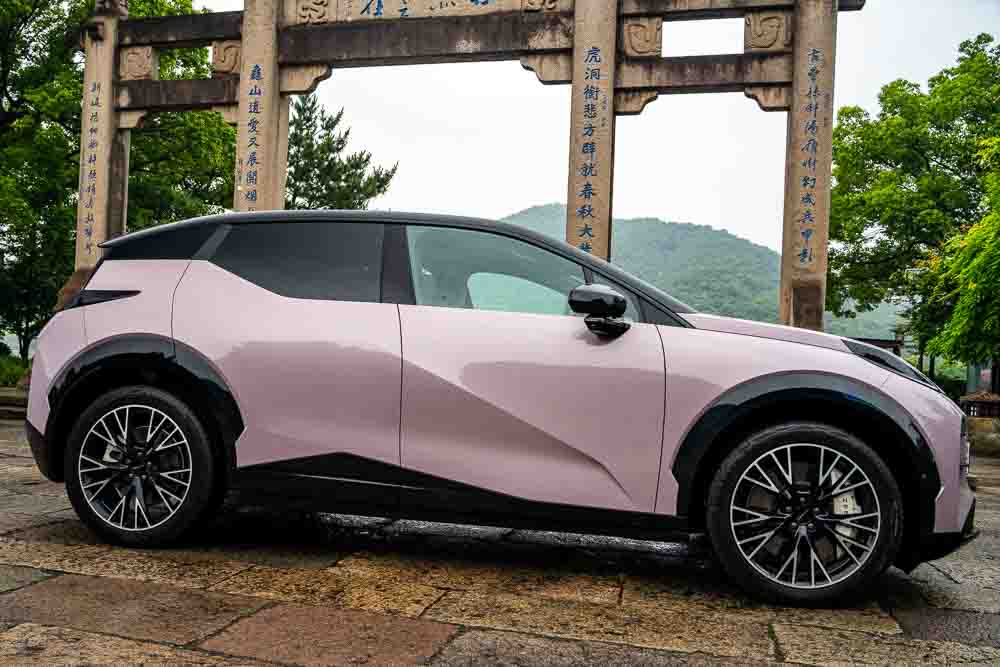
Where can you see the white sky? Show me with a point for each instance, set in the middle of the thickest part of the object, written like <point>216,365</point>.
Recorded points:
<point>486,139</point>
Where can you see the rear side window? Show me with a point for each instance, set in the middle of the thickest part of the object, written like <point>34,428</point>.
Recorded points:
<point>181,243</point>
<point>339,261</point>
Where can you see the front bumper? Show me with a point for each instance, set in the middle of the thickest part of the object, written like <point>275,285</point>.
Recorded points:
<point>940,545</point>
<point>42,452</point>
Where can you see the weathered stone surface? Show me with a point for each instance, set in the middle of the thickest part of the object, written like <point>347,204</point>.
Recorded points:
<point>21,503</point>
<point>127,608</point>
<point>163,568</point>
<point>49,556</point>
<point>458,574</point>
<point>641,626</point>
<point>977,563</point>
<point>690,594</point>
<point>822,646</point>
<point>33,644</point>
<point>12,577</point>
<point>14,521</point>
<point>58,531</point>
<point>388,597</point>
<point>964,627</point>
<point>306,585</point>
<point>315,635</point>
<point>510,649</point>
<point>940,591</point>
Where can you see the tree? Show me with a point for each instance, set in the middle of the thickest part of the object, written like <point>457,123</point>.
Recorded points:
<point>909,180</point>
<point>319,175</point>
<point>968,276</point>
<point>181,163</point>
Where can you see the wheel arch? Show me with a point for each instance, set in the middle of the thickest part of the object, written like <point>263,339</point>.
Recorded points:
<point>151,360</point>
<point>837,401</point>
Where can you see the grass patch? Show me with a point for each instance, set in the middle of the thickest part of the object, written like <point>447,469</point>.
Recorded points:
<point>11,370</point>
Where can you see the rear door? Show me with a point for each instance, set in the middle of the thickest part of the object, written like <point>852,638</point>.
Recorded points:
<point>290,315</point>
<point>505,390</point>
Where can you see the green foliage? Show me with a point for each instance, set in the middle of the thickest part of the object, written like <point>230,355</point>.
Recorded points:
<point>12,369</point>
<point>319,174</point>
<point>907,181</point>
<point>181,164</point>
<point>711,270</point>
<point>968,276</point>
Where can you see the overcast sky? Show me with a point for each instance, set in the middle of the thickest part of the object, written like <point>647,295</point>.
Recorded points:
<point>487,139</point>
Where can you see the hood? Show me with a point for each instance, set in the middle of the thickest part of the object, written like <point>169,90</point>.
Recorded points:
<point>763,330</point>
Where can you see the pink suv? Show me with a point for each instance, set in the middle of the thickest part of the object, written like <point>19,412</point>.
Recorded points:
<point>466,370</point>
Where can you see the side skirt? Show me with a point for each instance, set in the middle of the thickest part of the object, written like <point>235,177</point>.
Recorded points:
<point>348,484</point>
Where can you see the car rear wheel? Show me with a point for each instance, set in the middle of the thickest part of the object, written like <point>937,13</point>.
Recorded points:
<point>139,467</point>
<point>804,513</point>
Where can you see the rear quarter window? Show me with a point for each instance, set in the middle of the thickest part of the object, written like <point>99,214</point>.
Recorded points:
<point>333,261</point>
<point>180,243</point>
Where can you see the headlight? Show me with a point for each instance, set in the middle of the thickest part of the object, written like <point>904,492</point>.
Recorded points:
<point>889,361</point>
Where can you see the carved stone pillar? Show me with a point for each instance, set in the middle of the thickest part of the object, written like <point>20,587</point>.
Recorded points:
<point>103,149</point>
<point>259,114</point>
<point>592,127</point>
<point>808,166</point>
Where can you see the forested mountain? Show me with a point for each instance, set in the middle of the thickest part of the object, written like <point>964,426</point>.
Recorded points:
<point>709,269</point>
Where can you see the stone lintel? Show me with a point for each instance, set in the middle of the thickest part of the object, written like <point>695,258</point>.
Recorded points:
<point>185,30</point>
<point>141,95</point>
<point>706,74</point>
<point>439,40</point>
<point>179,95</point>
<point>697,10</point>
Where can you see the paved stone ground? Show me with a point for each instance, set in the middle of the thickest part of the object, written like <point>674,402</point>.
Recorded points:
<point>257,588</point>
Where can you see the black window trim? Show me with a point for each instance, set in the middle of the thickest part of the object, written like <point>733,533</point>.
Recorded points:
<point>644,291</point>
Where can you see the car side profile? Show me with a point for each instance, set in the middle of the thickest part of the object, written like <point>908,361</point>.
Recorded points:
<point>471,371</point>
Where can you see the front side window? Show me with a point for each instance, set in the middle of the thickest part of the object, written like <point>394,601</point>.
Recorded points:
<point>334,261</point>
<point>464,268</point>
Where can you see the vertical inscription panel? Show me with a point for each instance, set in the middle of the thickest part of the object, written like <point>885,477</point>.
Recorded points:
<point>809,165</point>
<point>99,123</point>
<point>259,112</point>
<point>592,127</point>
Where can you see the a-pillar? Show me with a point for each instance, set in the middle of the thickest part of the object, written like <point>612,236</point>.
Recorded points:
<point>592,127</point>
<point>259,131</point>
<point>103,147</point>
<point>808,166</point>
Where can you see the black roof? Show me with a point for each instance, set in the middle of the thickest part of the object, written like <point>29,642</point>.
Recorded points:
<point>393,217</point>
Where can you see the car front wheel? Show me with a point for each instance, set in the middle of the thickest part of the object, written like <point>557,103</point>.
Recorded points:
<point>139,467</point>
<point>804,513</point>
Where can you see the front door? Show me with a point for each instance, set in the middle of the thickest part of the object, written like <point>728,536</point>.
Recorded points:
<point>505,390</point>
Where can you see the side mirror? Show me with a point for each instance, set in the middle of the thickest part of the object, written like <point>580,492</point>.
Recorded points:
<point>603,306</point>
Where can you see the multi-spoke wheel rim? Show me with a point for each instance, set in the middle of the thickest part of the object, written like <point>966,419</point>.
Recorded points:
<point>805,516</point>
<point>135,467</point>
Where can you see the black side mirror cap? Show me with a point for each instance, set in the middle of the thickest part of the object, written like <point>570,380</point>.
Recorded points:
<point>598,301</point>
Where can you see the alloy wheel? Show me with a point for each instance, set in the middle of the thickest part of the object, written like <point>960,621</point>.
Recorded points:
<point>135,467</point>
<point>805,516</point>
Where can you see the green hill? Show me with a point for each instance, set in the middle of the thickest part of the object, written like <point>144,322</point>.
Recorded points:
<point>709,269</point>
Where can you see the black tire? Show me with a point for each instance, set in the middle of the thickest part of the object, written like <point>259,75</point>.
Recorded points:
<point>196,498</point>
<point>867,565</point>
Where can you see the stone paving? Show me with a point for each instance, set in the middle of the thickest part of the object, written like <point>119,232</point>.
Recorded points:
<point>261,588</point>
